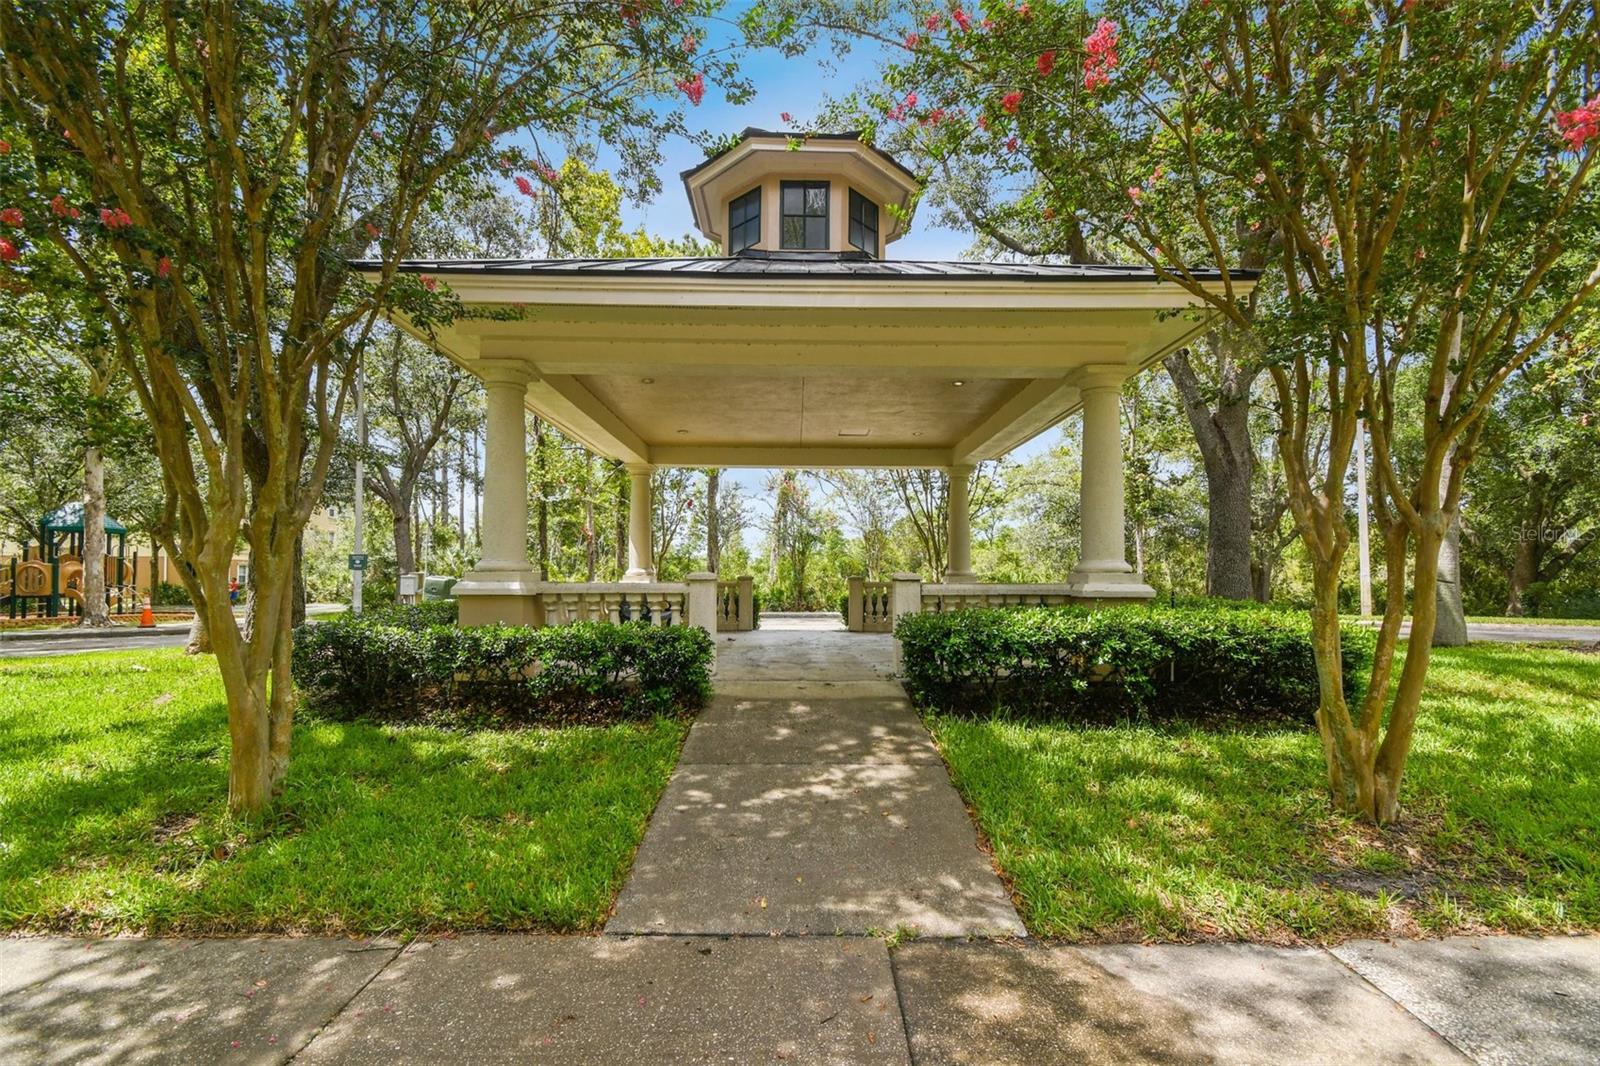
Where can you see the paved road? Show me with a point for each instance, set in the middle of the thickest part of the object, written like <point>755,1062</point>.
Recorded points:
<point>26,644</point>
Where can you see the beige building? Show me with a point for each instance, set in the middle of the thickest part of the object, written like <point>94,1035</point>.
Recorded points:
<point>805,345</point>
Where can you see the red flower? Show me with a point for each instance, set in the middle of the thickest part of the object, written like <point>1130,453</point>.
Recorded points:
<point>962,19</point>
<point>429,282</point>
<point>786,117</point>
<point>5,147</point>
<point>1012,144</point>
<point>1046,62</point>
<point>1100,55</point>
<point>1135,193</point>
<point>164,267</point>
<point>58,206</point>
<point>11,216</point>
<point>689,44</point>
<point>373,231</point>
<point>524,186</point>
<point>913,39</point>
<point>694,88</point>
<point>933,22</point>
<point>1580,124</point>
<point>114,218</point>
<point>983,122</point>
<point>8,251</point>
<point>1024,10</point>
<point>1011,101</point>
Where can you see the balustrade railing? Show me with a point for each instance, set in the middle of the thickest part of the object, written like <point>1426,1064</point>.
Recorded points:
<point>869,607</point>
<point>656,603</point>
<point>954,597</point>
<point>736,604</point>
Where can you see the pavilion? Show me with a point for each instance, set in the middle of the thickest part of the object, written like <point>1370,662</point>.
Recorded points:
<point>803,346</point>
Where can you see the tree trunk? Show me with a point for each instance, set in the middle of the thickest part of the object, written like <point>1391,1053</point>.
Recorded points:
<point>297,605</point>
<point>95,611</point>
<point>405,560</point>
<point>1523,566</point>
<point>199,642</point>
<point>1223,438</point>
<point>713,523</point>
<point>542,506</point>
<point>622,522</point>
<point>1450,626</point>
<point>1261,579</point>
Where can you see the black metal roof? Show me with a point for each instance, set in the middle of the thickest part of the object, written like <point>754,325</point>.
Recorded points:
<point>794,265</point>
<point>788,135</point>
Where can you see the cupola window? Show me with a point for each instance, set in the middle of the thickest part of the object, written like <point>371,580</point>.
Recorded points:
<point>744,221</point>
<point>863,223</point>
<point>804,215</point>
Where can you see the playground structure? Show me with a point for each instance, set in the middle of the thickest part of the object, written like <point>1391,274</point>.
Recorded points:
<point>46,578</point>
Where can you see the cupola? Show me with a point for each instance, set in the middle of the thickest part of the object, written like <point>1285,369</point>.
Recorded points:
<point>776,192</point>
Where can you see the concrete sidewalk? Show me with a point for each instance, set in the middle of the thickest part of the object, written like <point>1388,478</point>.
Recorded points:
<point>669,999</point>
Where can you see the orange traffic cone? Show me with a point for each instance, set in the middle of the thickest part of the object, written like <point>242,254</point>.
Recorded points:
<point>147,617</point>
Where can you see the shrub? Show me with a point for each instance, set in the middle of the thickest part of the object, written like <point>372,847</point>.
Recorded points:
<point>393,666</point>
<point>426,613</point>
<point>166,594</point>
<point>1149,663</point>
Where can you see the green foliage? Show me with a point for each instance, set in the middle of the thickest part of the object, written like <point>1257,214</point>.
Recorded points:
<point>1184,833</point>
<point>166,594</point>
<point>1197,663</point>
<point>412,615</point>
<point>112,772</point>
<point>402,665</point>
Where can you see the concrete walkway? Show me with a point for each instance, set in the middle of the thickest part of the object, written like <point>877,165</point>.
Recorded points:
<point>671,999</point>
<point>809,890</point>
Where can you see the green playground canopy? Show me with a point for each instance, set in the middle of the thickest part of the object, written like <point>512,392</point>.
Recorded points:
<point>69,519</point>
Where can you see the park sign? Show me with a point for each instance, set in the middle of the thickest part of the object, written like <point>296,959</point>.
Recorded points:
<point>358,561</point>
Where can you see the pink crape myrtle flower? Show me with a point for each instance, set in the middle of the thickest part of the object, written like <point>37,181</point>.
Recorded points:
<point>1580,125</point>
<point>962,19</point>
<point>693,88</point>
<point>913,39</point>
<point>430,282</point>
<point>114,218</point>
<point>689,44</point>
<point>1100,55</point>
<point>933,22</point>
<point>786,117</point>
<point>1011,101</point>
<point>524,186</point>
<point>1046,62</point>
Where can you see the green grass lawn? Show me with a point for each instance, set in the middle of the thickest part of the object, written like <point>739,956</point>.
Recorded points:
<point>113,817</point>
<point>1133,833</point>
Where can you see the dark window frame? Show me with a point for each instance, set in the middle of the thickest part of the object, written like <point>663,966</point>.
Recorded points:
<point>806,216</point>
<point>750,226</point>
<point>858,225</point>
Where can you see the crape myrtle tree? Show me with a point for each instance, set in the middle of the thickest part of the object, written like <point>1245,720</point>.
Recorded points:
<point>210,168</point>
<point>1420,174</point>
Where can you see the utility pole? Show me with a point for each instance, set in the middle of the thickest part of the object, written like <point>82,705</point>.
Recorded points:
<point>1363,541</point>
<point>357,572</point>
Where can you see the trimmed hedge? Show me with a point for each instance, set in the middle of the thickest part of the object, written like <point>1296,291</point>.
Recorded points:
<point>426,613</point>
<point>1112,664</point>
<point>392,666</point>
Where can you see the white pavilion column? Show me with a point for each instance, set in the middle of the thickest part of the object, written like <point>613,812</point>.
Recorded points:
<point>960,528</point>
<point>641,564</point>
<point>1103,571</point>
<point>502,587</point>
